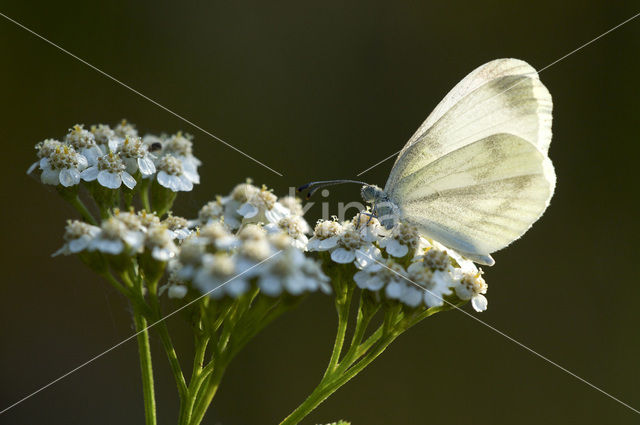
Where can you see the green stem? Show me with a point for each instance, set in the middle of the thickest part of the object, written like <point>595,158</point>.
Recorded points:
<point>362,323</point>
<point>144,194</point>
<point>343,304</point>
<point>146,370</point>
<point>212,387</point>
<point>83,210</point>
<point>197,377</point>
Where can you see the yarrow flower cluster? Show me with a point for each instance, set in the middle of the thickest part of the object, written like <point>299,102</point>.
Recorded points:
<point>248,257</point>
<point>116,156</point>
<point>400,264</point>
<point>222,259</point>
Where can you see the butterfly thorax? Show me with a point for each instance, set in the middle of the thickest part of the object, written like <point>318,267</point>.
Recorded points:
<point>382,207</point>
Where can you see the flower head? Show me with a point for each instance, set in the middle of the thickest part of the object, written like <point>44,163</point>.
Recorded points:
<point>404,239</point>
<point>472,286</point>
<point>171,174</point>
<point>136,156</point>
<point>116,238</point>
<point>124,129</point>
<point>263,206</point>
<point>62,166</point>
<point>77,236</point>
<point>110,171</point>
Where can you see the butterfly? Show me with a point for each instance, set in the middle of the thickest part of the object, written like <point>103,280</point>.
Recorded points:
<point>476,174</point>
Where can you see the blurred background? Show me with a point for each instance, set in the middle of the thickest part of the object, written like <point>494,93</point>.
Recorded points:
<point>315,91</point>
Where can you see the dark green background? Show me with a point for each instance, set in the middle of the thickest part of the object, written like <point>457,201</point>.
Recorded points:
<point>325,90</point>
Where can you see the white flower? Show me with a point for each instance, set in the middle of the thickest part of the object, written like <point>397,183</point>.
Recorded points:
<point>217,235</point>
<point>325,236</point>
<point>177,291</point>
<point>115,237</point>
<point>351,246</point>
<point>159,240</point>
<point>292,272</point>
<point>404,238</point>
<point>295,226</point>
<point>437,283</point>
<point>44,148</point>
<point>238,196</point>
<point>172,174</point>
<point>218,277</point>
<point>212,211</point>
<point>190,258</point>
<point>103,134</point>
<point>181,147</point>
<point>178,227</point>
<point>263,207</point>
<point>293,204</point>
<point>136,156</point>
<point>392,277</point>
<point>369,226</point>
<point>84,142</point>
<point>110,171</point>
<point>77,237</point>
<point>148,219</point>
<point>473,287</point>
<point>62,166</point>
<point>124,129</point>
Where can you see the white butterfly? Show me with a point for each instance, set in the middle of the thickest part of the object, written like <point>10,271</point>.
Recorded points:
<point>475,176</point>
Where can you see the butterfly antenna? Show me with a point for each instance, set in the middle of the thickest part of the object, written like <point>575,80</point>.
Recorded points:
<point>315,186</point>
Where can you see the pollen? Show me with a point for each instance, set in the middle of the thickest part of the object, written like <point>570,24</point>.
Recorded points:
<point>436,259</point>
<point>214,231</point>
<point>180,144</point>
<point>175,222</point>
<point>148,219</point>
<point>130,219</point>
<point>221,265</point>
<point>102,133</point>
<point>473,283</point>
<point>111,162</point>
<point>327,229</point>
<point>132,147</point>
<point>112,228</point>
<point>76,229</point>
<point>243,192</point>
<point>257,250</point>
<point>263,199</point>
<point>157,235</point>
<point>212,210</point>
<point>170,165</point>
<point>251,232</point>
<point>64,156</point>
<point>351,239</point>
<point>80,138</point>
<point>47,147</point>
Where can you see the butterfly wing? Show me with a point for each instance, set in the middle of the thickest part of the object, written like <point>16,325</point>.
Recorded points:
<point>503,96</point>
<point>479,198</point>
<point>476,78</point>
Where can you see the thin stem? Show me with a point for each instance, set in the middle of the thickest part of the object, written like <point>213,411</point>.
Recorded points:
<point>343,303</point>
<point>144,194</point>
<point>212,387</point>
<point>83,210</point>
<point>362,323</point>
<point>144,349</point>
